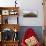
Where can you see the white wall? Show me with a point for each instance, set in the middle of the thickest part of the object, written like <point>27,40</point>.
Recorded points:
<point>27,5</point>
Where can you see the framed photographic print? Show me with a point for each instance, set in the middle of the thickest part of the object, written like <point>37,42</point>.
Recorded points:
<point>30,14</point>
<point>5,12</point>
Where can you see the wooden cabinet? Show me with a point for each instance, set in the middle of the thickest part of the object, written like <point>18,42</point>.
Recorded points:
<point>8,24</point>
<point>8,15</point>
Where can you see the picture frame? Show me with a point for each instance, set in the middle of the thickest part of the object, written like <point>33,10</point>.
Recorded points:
<point>30,13</point>
<point>5,12</point>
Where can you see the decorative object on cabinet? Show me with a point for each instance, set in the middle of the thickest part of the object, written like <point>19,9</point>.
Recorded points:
<point>5,12</point>
<point>13,12</point>
<point>6,21</point>
<point>8,34</point>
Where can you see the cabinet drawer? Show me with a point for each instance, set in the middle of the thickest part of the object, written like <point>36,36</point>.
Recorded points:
<point>10,44</point>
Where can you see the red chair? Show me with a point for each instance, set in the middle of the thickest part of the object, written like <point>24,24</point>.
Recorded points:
<point>29,33</point>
